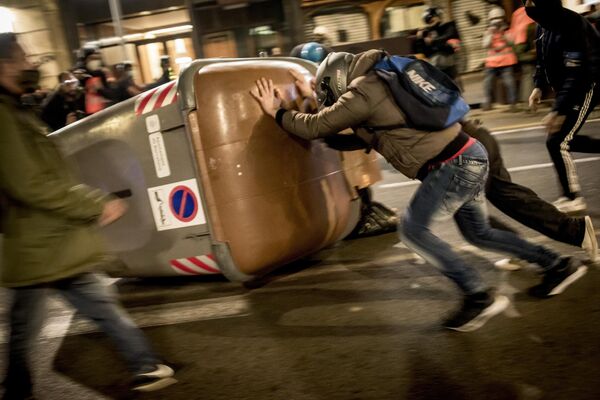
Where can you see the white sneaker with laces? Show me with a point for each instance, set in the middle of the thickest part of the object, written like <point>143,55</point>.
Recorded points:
<point>568,205</point>
<point>511,264</point>
<point>590,243</point>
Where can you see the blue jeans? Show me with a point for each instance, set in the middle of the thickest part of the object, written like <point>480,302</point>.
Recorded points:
<point>93,299</point>
<point>508,78</point>
<point>457,189</point>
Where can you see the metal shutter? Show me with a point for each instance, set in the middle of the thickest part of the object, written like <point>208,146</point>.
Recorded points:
<point>472,54</point>
<point>356,26</point>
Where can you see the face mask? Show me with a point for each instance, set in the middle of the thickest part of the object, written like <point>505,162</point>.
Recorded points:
<point>94,65</point>
<point>29,80</point>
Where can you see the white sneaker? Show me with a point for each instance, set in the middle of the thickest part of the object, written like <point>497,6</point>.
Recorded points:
<point>158,377</point>
<point>511,264</point>
<point>568,205</point>
<point>590,243</point>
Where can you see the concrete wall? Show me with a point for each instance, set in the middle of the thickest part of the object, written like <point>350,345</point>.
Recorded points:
<point>38,26</point>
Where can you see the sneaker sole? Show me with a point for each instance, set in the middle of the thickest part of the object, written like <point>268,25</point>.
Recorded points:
<point>499,305</point>
<point>506,265</point>
<point>592,249</point>
<point>581,271</point>
<point>571,209</point>
<point>158,385</point>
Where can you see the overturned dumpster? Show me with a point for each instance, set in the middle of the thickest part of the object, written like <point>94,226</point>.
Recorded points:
<point>214,186</point>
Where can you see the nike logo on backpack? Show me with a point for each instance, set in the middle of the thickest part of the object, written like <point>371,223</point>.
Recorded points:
<point>420,81</point>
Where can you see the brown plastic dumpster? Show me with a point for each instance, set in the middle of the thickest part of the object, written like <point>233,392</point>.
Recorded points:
<point>213,185</point>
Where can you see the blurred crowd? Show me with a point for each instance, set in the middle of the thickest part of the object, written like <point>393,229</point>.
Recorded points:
<point>89,87</point>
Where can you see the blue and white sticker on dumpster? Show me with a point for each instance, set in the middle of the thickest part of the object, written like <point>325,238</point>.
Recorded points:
<point>176,205</point>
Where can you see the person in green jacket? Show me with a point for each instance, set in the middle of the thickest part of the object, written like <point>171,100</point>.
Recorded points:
<point>50,239</point>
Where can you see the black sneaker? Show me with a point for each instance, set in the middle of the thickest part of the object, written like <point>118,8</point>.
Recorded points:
<point>476,312</point>
<point>158,377</point>
<point>559,278</point>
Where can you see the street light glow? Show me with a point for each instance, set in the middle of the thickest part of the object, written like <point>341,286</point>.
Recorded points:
<point>6,20</point>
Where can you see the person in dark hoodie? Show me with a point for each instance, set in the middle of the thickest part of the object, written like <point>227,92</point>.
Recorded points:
<point>525,206</point>
<point>568,60</point>
<point>452,166</point>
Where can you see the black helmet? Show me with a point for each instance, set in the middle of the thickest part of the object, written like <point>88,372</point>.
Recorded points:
<point>430,13</point>
<point>332,77</point>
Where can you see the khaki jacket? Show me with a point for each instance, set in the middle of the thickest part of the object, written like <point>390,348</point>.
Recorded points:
<point>49,229</point>
<point>369,103</point>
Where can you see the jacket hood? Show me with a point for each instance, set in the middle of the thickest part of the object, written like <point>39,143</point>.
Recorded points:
<point>547,13</point>
<point>363,63</point>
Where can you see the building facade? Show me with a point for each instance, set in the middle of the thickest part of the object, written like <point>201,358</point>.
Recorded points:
<point>185,30</point>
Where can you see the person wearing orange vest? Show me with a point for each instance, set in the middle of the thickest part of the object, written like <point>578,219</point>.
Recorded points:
<point>522,29</point>
<point>501,58</point>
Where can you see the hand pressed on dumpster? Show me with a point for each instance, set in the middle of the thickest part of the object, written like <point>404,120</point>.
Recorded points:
<point>267,96</point>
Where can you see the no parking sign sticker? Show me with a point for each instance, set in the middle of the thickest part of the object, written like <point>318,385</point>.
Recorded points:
<point>176,205</point>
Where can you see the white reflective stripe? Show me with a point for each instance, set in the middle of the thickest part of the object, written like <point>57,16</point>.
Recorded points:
<point>193,266</point>
<point>179,270</point>
<point>141,98</point>
<point>150,106</point>
<point>209,262</point>
<point>138,101</point>
<point>169,99</point>
<point>572,179</point>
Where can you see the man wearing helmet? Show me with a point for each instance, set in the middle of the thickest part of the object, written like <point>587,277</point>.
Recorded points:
<point>439,41</point>
<point>568,49</point>
<point>452,166</point>
<point>375,218</point>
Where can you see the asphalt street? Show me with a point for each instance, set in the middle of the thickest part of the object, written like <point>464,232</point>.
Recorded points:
<point>359,320</point>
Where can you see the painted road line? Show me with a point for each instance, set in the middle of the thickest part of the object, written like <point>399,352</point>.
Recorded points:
<point>527,127</point>
<point>164,314</point>
<point>513,169</point>
<point>547,165</point>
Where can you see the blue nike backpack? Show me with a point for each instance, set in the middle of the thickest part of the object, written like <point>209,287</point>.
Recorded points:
<point>430,100</point>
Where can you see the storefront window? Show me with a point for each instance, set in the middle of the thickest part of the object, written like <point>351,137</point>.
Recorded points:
<point>148,37</point>
<point>401,20</point>
<point>266,40</point>
<point>336,25</point>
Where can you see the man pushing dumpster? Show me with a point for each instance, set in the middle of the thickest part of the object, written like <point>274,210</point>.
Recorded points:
<point>359,92</point>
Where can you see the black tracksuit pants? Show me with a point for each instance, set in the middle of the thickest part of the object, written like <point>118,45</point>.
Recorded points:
<point>566,140</point>
<point>523,204</point>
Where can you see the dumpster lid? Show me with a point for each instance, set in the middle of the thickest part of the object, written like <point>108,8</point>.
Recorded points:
<point>186,78</point>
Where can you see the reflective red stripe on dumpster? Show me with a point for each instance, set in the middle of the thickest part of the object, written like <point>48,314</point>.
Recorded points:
<point>196,265</point>
<point>157,98</point>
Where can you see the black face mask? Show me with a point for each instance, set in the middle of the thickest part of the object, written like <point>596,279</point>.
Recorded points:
<point>29,81</point>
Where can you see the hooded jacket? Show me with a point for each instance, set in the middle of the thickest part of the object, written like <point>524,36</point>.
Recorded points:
<point>48,229</point>
<point>369,103</point>
<point>568,53</point>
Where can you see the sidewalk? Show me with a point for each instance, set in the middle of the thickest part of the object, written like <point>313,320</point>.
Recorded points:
<point>500,119</point>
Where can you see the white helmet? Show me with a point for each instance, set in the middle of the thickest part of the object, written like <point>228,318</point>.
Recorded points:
<point>321,30</point>
<point>496,12</point>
